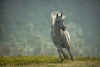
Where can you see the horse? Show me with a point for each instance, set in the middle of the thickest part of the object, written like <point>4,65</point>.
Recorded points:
<point>60,35</point>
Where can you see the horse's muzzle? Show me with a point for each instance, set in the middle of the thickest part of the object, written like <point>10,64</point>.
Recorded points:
<point>63,28</point>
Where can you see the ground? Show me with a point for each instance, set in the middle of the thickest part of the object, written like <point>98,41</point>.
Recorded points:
<point>48,61</point>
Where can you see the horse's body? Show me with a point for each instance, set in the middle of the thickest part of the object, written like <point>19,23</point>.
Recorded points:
<point>63,38</point>
<point>60,35</point>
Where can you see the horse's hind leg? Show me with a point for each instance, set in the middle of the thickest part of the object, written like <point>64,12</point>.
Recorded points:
<point>71,56</point>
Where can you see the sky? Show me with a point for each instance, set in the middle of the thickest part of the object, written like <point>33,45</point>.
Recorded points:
<point>24,17</point>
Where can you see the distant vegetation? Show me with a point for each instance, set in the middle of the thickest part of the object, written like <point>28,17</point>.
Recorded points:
<point>25,27</point>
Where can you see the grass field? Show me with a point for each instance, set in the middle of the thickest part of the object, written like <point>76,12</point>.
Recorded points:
<point>48,61</point>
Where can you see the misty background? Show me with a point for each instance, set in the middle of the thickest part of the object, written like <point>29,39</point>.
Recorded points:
<point>25,26</point>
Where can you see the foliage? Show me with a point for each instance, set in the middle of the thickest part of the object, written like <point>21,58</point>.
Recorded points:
<point>20,22</point>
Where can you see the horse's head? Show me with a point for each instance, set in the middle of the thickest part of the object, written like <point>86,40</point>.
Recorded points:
<point>59,21</point>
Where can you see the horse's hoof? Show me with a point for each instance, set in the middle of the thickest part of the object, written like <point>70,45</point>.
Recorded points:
<point>61,60</point>
<point>72,59</point>
<point>66,57</point>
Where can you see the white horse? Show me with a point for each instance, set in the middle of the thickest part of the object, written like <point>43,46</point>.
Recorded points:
<point>60,35</point>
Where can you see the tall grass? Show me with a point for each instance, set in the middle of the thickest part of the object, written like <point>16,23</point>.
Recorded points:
<point>28,60</point>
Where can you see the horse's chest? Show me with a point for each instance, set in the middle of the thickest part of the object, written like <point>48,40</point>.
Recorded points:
<point>57,39</point>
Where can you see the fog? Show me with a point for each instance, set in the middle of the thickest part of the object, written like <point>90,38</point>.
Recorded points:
<point>25,26</point>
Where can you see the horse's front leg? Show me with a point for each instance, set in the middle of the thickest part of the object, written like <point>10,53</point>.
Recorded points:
<point>64,55</point>
<point>59,51</point>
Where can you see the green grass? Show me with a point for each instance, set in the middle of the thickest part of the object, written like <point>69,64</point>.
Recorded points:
<point>47,61</point>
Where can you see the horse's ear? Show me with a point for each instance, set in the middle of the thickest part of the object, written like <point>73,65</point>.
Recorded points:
<point>61,14</point>
<point>57,15</point>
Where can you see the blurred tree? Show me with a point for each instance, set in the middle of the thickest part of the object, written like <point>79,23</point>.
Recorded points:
<point>13,44</point>
<point>5,50</point>
<point>1,32</point>
<point>29,28</point>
